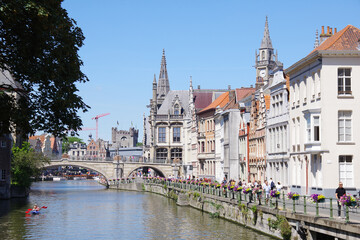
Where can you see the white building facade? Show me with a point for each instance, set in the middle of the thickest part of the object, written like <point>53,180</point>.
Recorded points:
<point>277,131</point>
<point>324,110</point>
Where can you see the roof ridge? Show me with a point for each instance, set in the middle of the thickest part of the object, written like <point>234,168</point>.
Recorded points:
<point>332,41</point>
<point>340,34</point>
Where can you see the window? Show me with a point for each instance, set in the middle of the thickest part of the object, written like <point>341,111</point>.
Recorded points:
<point>344,126</point>
<point>176,134</point>
<point>161,154</point>
<point>346,171</point>
<point>316,128</point>
<point>176,153</point>
<point>176,109</point>
<point>3,144</point>
<point>161,134</point>
<point>344,81</point>
<point>308,129</point>
<point>3,174</point>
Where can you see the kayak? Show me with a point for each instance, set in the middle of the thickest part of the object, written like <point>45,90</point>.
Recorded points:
<point>35,212</point>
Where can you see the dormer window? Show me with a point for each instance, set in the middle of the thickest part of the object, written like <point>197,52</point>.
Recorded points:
<point>176,109</point>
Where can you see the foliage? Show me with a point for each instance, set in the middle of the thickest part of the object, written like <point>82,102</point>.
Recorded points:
<point>261,215</point>
<point>216,214</point>
<point>255,214</point>
<point>143,187</point>
<point>171,194</point>
<point>281,224</point>
<point>39,47</point>
<point>139,144</point>
<point>196,195</point>
<point>26,163</point>
<point>70,140</point>
<point>285,230</point>
<point>165,187</point>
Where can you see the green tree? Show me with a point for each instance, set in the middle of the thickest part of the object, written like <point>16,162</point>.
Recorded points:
<point>26,163</point>
<point>69,140</point>
<point>39,47</point>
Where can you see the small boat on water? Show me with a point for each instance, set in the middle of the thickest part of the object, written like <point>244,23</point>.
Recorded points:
<point>59,179</point>
<point>79,178</point>
<point>34,212</point>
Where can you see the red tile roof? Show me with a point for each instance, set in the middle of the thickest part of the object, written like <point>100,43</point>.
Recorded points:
<point>346,39</point>
<point>220,101</point>
<point>243,93</point>
<point>202,99</point>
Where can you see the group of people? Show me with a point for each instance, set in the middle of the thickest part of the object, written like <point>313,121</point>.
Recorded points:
<point>266,186</point>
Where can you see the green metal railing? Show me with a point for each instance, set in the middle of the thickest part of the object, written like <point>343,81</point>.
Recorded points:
<point>300,204</point>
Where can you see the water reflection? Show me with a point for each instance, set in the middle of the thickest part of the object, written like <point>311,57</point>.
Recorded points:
<point>84,210</point>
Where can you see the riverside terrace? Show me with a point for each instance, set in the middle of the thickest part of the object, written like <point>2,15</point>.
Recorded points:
<point>306,216</point>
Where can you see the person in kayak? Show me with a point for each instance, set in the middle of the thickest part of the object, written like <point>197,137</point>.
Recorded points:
<point>36,208</point>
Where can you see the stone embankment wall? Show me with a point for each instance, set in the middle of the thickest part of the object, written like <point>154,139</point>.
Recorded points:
<point>276,223</point>
<point>215,206</point>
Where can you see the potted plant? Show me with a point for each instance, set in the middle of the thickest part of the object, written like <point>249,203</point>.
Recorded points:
<point>348,200</point>
<point>293,196</point>
<point>317,198</point>
<point>274,194</point>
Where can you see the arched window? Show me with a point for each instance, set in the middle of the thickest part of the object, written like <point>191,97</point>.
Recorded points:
<point>262,55</point>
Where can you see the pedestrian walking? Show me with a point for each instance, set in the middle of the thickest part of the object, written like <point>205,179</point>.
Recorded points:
<point>340,191</point>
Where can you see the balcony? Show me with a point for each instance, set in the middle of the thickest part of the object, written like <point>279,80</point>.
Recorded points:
<point>164,117</point>
<point>206,155</point>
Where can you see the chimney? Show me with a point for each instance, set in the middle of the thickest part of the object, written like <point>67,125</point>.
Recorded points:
<point>198,86</point>
<point>322,30</point>
<point>229,87</point>
<point>327,32</point>
<point>331,31</point>
<point>335,31</point>
<point>251,86</point>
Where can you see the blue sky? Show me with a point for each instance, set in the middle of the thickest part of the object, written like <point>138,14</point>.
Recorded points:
<point>212,41</point>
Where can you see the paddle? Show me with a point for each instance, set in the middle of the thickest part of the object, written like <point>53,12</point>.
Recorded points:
<point>29,210</point>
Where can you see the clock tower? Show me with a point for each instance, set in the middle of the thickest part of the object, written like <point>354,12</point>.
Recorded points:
<point>265,61</point>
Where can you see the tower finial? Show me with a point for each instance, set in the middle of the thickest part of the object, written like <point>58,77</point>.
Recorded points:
<point>163,85</point>
<point>316,44</point>
<point>266,41</point>
<point>154,78</point>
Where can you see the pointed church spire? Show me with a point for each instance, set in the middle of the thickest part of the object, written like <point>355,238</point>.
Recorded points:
<point>266,41</point>
<point>163,84</point>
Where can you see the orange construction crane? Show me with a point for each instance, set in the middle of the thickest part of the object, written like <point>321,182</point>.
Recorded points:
<point>97,122</point>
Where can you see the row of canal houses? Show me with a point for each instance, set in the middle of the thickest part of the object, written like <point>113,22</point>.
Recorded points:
<point>297,126</point>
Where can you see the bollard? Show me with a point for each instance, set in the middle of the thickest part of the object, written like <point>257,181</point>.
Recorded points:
<point>304,204</point>
<point>331,208</point>
<point>347,214</point>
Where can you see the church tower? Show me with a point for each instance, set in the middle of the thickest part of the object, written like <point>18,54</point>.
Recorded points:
<point>163,86</point>
<point>266,61</point>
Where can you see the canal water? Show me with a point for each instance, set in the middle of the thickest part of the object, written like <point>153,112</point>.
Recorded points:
<point>86,210</point>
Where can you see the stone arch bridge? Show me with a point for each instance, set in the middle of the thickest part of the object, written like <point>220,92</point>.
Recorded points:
<point>115,169</point>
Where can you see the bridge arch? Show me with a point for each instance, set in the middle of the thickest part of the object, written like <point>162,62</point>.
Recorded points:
<point>83,165</point>
<point>157,169</point>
